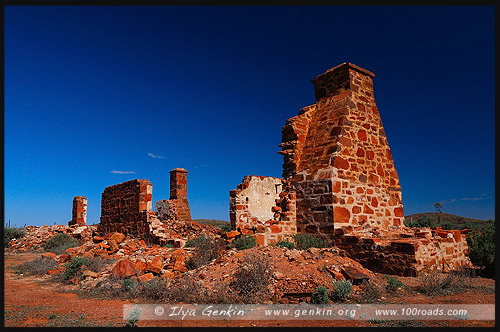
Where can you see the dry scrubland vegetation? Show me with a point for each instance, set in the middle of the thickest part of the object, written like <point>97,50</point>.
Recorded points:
<point>251,280</point>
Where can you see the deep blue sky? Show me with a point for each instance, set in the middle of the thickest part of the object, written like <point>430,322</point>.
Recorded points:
<point>91,90</point>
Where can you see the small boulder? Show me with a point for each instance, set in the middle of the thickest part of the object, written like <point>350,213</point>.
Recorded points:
<point>117,237</point>
<point>124,268</point>
<point>146,277</point>
<point>156,265</point>
<point>50,255</point>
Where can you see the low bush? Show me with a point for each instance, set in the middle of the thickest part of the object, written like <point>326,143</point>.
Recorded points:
<point>59,243</point>
<point>305,241</point>
<point>186,290</point>
<point>392,283</point>
<point>342,289</point>
<point>482,249</point>
<point>154,289</point>
<point>252,278</point>
<point>206,250</point>
<point>371,291</point>
<point>97,263</point>
<point>284,244</point>
<point>423,221</point>
<point>10,233</point>
<point>320,295</point>
<point>74,268</point>
<point>244,242</point>
<point>39,266</point>
<point>434,283</point>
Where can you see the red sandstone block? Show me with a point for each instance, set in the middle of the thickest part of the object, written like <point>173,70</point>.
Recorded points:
<point>260,240</point>
<point>146,277</point>
<point>398,212</point>
<point>341,214</point>
<point>341,163</point>
<point>367,210</point>
<point>275,229</point>
<point>362,135</point>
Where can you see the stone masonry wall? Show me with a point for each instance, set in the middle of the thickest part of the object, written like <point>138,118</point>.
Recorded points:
<point>338,160</point>
<point>408,252</point>
<point>260,206</point>
<point>126,208</point>
<point>79,213</point>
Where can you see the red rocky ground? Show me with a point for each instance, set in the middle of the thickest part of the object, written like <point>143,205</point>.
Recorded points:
<point>36,301</point>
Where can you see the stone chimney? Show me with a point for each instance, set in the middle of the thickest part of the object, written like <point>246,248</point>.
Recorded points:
<point>79,215</point>
<point>178,193</point>
<point>178,183</point>
<point>342,78</point>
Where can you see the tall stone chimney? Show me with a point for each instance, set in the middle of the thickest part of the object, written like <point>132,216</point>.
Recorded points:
<point>178,193</point>
<point>338,160</point>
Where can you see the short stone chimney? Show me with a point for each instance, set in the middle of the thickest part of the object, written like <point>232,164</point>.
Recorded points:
<point>178,183</point>
<point>342,78</point>
<point>79,215</point>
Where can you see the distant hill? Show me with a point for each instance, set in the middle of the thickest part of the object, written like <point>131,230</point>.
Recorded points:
<point>448,221</point>
<point>224,225</point>
<point>443,218</point>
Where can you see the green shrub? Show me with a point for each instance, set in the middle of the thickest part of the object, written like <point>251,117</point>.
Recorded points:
<point>206,250</point>
<point>59,243</point>
<point>422,221</point>
<point>244,242</point>
<point>306,241</point>
<point>129,284</point>
<point>320,296</point>
<point>392,283</point>
<point>10,233</point>
<point>74,268</point>
<point>39,266</point>
<point>167,245</point>
<point>284,244</point>
<point>342,289</point>
<point>482,249</point>
<point>194,242</point>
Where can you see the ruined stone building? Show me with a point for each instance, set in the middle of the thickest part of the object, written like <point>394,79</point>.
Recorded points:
<point>127,208</point>
<point>340,183</point>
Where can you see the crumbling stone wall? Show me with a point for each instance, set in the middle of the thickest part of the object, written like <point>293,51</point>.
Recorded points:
<point>408,251</point>
<point>338,160</point>
<point>79,213</point>
<point>126,207</point>
<point>260,206</point>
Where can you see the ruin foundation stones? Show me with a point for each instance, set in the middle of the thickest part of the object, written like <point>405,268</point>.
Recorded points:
<point>340,183</point>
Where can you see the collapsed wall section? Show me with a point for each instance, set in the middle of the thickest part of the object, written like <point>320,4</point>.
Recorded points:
<point>261,206</point>
<point>407,252</point>
<point>126,208</point>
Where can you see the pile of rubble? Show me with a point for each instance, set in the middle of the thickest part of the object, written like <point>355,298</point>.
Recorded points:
<point>295,273</point>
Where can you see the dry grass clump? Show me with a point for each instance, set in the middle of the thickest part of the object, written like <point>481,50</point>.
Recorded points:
<point>252,278</point>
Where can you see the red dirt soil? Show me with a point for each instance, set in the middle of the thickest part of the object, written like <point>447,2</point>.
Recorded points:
<point>31,301</point>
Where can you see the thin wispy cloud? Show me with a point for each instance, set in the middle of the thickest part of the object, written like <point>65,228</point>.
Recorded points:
<point>475,198</point>
<point>155,156</point>
<point>122,172</point>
